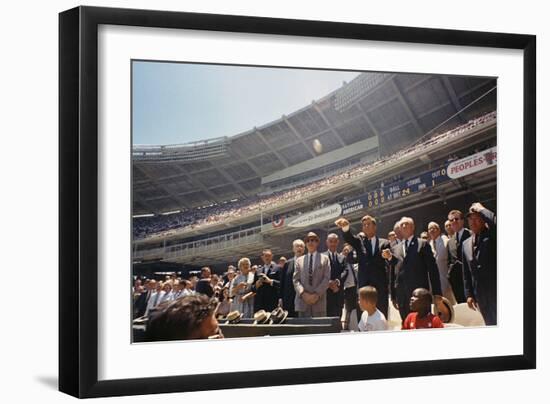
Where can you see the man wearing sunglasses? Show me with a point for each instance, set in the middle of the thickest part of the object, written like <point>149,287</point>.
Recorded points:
<point>311,279</point>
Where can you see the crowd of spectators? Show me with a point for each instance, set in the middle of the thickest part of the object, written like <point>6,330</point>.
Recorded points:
<point>148,293</point>
<point>200,217</point>
<point>424,278</point>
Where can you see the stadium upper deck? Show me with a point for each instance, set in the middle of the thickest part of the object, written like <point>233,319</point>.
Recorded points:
<point>358,178</point>
<point>386,111</point>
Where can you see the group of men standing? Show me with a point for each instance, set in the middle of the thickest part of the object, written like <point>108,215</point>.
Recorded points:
<point>318,284</point>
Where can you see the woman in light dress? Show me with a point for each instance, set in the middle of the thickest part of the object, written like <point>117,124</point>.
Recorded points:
<point>240,290</point>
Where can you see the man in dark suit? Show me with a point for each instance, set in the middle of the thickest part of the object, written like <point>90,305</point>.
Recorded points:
<point>480,263</point>
<point>335,296</point>
<point>413,266</point>
<point>372,266</point>
<point>286,287</point>
<point>266,283</point>
<point>454,247</point>
<point>141,302</point>
<point>204,285</point>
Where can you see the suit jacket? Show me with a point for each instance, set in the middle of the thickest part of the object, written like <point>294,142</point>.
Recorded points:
<point>456,273</point>
<point>154,300</point>
<point>480,263</point>
<point>267,296</point>
<point>204,287</point>
<point>335,300</point>
<point>441,255</point>
<point>286,290</point>
<point>416,269</point>
<point>337,266</point>
<point>321,277</point>
<point>140,305</point>
<point>372,267</point>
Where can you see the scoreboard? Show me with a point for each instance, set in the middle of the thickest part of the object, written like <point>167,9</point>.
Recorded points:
<point>407,187</point>
<point>397,190</point>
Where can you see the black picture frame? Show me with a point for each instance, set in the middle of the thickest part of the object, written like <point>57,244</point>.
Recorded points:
<point>78,200</point>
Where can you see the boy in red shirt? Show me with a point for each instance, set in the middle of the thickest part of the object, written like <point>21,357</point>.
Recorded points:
<point>421,315</point>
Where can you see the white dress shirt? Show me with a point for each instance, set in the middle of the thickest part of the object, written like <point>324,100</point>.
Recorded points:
<point>373,244</point>
<point>313,257</point>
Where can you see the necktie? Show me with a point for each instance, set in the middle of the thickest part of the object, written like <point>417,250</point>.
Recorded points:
<point>369,245</point>
<point>310,270</point>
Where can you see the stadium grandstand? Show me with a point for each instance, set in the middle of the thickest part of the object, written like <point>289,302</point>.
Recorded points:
<point>390,145</point>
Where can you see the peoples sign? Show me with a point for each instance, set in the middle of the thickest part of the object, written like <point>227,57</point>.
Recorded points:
<point>472,164</point>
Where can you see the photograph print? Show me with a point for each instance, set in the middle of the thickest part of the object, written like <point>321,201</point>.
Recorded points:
<point>272,201</point>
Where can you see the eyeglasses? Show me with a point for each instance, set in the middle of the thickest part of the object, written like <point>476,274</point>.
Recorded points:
<point>311,240</point>
<point>455,219</point>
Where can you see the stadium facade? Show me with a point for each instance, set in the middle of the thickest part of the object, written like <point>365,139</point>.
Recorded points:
<point>392,145</point>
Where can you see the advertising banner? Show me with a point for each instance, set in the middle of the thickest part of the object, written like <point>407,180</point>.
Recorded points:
<point>317,216</point>
<point>472,164</point>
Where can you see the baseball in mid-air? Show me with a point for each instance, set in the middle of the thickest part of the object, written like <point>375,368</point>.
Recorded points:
<point>317,146</point>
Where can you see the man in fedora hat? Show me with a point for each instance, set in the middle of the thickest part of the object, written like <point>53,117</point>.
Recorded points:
<point>311,279</point>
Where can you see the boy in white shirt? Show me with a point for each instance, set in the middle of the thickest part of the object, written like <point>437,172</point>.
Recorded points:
<point>372,319</point>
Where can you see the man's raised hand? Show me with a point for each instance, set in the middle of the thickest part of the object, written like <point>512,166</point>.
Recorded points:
<point>342,222</point>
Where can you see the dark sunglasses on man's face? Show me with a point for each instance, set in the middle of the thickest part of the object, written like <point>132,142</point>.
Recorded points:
<point>454,219</point>
<point>311,240</point>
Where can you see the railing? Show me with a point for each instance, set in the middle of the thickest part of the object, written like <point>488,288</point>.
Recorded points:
<point>234,239</point>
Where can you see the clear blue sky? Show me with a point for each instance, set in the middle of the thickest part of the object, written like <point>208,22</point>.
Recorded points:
<point>180,103</point>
